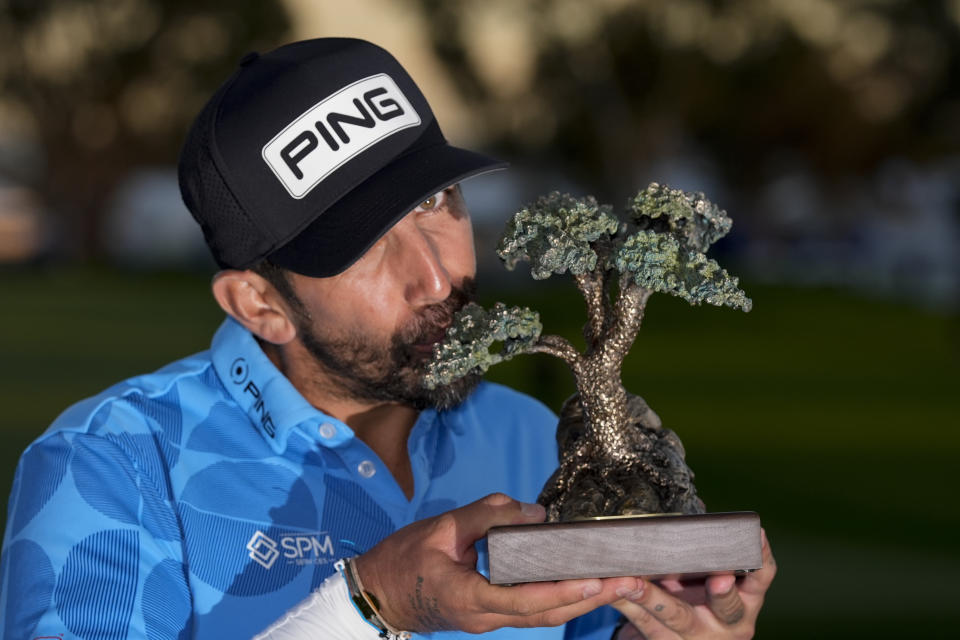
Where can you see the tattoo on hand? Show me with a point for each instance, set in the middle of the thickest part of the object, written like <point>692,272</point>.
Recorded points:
<point>427,610</point>
<point>659,607</point>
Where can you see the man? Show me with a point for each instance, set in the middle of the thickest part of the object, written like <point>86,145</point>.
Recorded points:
<point>213,498</point>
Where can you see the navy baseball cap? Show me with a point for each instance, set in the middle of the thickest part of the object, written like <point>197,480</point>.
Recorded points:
<point>310,153</point>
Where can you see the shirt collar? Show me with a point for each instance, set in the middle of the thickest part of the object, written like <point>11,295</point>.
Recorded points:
<point>274,405</point>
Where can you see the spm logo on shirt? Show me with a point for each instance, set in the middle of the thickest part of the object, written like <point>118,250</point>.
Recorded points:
<point>295,548</point>
<point>335,130</point>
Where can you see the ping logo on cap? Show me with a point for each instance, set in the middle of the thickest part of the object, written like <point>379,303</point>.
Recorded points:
<point>335,130</point>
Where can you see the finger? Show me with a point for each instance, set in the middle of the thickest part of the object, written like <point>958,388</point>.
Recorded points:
<point>673,613</point>
<point>538,597</point>
<point>726,605</point>
<point>720,583</point>
<point>530,610</point>
<point>757,582</point>
<point>672,585</point>
<point>462,527</point>
<point>690,591</point>
<point>607,595</point>
<point>643,622</point>
<point>495,510</point>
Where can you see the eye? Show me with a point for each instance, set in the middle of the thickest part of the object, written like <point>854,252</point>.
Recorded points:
<point>435,201</point>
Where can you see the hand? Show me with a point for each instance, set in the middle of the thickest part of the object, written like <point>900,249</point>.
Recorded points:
<point>723,607</point>
<point>425,579</point>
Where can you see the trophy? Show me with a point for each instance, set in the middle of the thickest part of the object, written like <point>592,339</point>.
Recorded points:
<point>622,501</point>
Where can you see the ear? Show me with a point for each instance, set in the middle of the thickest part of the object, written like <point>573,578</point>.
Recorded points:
<point>253,302</point>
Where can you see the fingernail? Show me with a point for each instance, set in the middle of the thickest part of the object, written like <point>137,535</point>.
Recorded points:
<point>591,589</point>
<point>533,509</point>
<point>630,594</point>
<point>763,537</point>
<point>721,586</point>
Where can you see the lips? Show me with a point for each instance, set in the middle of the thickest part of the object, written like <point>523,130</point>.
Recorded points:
<point>426,343</point>
<point>438,335</point>
<point>430,326</point>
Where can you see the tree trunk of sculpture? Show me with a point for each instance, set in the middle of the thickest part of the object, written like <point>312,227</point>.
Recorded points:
<point>616,458</point>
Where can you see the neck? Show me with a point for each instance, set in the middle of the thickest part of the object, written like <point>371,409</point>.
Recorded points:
<point>382,426</point>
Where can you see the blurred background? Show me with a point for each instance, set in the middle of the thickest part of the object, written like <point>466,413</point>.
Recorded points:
<point>828,129</point>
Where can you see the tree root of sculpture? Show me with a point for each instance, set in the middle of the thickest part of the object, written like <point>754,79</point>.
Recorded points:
<point>651,477</point>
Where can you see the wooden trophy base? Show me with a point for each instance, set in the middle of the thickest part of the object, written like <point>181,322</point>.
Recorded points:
<point>654,546</point>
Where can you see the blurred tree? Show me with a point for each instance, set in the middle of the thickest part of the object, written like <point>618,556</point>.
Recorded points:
<point>612,84</point>
<point>101,86</point>
<point>605,87</point>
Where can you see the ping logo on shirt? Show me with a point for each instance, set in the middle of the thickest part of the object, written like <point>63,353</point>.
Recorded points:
<point>335,130</point>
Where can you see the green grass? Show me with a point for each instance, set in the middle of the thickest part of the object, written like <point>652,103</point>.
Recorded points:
<point>834,417</point>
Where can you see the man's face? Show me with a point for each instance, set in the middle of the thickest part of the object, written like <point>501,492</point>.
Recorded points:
<point>372,327</point>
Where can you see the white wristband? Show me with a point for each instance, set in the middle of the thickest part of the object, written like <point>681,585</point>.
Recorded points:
<point>325,613</point>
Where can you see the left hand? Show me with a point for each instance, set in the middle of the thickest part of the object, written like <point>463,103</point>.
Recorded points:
<point>722,607</point>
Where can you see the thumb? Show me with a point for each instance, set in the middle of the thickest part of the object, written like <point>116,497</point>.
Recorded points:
<point>495,510</point>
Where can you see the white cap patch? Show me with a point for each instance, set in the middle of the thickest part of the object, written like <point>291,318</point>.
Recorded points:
<point>335,130</point>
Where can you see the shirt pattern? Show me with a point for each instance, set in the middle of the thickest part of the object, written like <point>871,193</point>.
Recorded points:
<point>208,498</point>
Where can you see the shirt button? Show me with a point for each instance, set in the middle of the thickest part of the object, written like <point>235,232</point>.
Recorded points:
<point>327,430</point>
<point>366,469</point>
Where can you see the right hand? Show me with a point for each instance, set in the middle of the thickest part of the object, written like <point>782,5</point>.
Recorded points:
<point>425,579</point>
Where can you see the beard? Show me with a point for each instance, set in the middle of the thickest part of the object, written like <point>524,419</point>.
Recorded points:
<point>393,371</point>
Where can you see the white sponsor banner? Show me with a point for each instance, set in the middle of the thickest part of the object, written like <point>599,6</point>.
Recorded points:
<point>335,130</point>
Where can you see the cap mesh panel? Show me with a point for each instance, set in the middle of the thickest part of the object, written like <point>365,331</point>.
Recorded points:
<point>229,232</point>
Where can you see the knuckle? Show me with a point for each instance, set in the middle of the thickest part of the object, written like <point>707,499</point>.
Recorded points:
<point>645,597</point>
<point>550,618</point>
<point>729,609</point>
<point>642,619</point>
<point>443,525</point>
<point>639,617</point>
<point>475,625</point>
<point>497,499</point>
<point>521,608</point>
<point>680,619</point>
<point>444,522</point>
<point>734,616</point>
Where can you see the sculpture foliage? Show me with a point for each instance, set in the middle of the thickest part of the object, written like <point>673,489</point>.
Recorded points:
<point>616,458</point>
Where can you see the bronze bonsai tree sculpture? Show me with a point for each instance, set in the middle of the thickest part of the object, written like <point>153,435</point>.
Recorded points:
<point>615,456</point>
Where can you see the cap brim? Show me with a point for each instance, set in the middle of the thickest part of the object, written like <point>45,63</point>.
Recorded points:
<point>342,233</point>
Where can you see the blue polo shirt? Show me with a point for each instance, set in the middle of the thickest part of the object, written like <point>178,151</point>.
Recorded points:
<point>206,499</point>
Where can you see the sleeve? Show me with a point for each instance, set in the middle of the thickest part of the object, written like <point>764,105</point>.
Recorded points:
<point>326,613</point>
<point>93,546</point>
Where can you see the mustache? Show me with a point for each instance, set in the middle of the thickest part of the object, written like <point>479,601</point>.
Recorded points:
<point>431,323</point>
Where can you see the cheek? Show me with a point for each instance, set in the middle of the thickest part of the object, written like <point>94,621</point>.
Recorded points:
<point>369,309</point>
<point>377,304</point>
<point>460,254</point>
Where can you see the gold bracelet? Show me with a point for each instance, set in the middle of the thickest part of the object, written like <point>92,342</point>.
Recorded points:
<point>365,603</point>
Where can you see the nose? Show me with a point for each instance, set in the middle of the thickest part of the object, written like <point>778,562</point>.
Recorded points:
<point>426,280</point>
